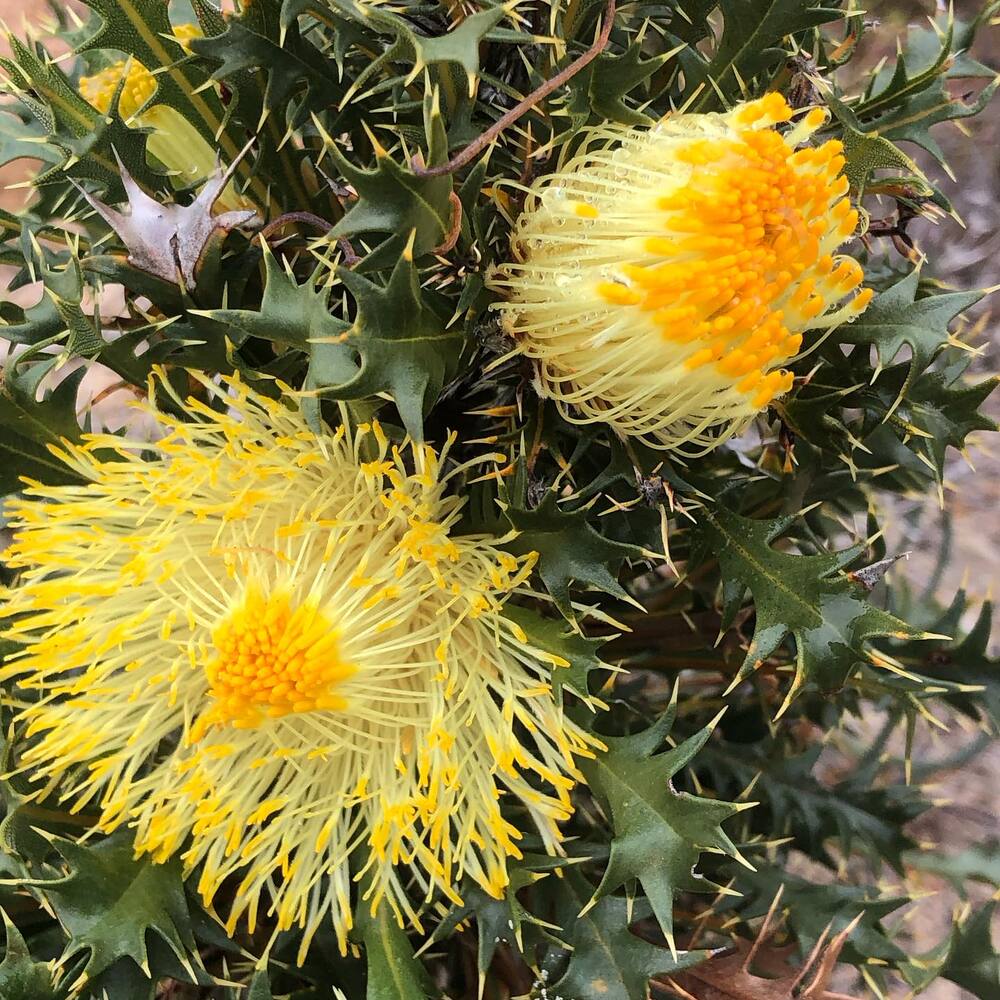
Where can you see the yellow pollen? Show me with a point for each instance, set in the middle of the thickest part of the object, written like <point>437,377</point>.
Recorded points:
<point>274,658</point>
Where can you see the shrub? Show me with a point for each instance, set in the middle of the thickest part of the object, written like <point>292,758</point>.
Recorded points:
<point>445,473</point>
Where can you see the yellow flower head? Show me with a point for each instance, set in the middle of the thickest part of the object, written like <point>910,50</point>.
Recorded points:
<point>266,650</point>
<point>173,139</point>
<point>663,276</point>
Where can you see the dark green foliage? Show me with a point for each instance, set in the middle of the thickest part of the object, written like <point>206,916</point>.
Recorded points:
<point>545,529</point>
<point>109,902</point>
<point>30,426</point>
<point>896,318</point>
<point>733,682</point>
<point>809,597</point>
<point>393,972</point>
<point>967,957</point>
<point>607,958</point>
<point>657,833</point>
<point>21,977</point>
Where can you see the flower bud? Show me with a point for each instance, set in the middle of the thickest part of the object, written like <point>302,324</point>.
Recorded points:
<point>173,140</point>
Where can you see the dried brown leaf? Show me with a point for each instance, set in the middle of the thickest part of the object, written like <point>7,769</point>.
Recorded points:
<point>733,974</point>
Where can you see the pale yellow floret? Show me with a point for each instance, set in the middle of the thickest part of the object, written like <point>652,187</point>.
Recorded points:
<point>266,650</point>
<point>663,277</point>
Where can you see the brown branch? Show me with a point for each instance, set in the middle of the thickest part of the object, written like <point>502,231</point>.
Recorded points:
<point>456,225</point>
<point>563,76</point>
<point>350,257</point>
<point>283,220</point>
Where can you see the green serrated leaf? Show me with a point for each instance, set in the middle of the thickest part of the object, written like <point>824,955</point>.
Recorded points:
<point>289,62</point>
<point>110,900</point>
<point>570,550</point>
<point>82,142</point>
<point>964,659</point>
<point>142,29</point>
<point>21,977</point>
<point>393,199</point>
<point>750,46</point>
<point>29,425</point>
<point>297,316</point>
<point>808,597</point>
<point>498,920</point>
<point>815,911</point>
<point>968,958</point>
<point>602,88</point>
<point>867,152</point>
<point>905,101</point>
<point>461,45</point>
<point>897,318</point>
<point>404,347</point>
<point>854,813</point>
<point>552,637</point>
<point>659,833</point>
<point>944,409</point>
<point>608,960</point>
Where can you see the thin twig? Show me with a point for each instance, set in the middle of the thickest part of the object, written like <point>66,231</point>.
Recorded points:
<point>282,220</point>
<point>456,225</point>
<point>478,145</point>
<point>350,257</point>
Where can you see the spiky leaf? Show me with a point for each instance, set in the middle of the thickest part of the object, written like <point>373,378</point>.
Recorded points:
<point>21,977</point>
<point>809,597</point>
<point>590,560</point>
<point>968,957</point>
<point>30,425</point>
<point>608,960</point>
<point>750,44</point>
<point>897,318</point>
<point>111,900</point>
<point>658,833</point>
<point>404,347</point>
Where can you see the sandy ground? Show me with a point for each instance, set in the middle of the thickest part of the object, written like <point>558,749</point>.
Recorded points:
<point>967,257</point>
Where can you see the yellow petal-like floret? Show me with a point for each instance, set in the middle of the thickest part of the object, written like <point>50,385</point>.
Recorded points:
<point>662,277</point>
<point>140,84</point>
<point>267,650</point>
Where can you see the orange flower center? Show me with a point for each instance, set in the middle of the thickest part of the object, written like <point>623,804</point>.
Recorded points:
<point>274,658</point>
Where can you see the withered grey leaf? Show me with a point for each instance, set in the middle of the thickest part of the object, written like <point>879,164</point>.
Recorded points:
<point>868,576</point>
<point>168,240</point>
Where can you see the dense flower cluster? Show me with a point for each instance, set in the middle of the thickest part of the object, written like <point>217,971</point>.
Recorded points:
<point>664,276</point>
<point>267,650</point>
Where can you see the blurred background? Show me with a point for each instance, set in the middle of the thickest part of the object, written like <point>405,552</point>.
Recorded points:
<point>964,255</point>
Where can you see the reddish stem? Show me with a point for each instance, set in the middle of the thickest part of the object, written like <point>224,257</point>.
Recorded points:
<point>478,145</point>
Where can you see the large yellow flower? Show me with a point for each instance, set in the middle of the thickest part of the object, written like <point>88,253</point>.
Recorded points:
<point>663,276</point>
<point>266,650</point>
